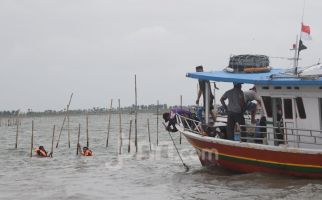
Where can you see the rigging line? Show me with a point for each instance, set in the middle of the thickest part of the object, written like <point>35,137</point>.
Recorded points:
<point>308,67</point>
<point>185,166</point>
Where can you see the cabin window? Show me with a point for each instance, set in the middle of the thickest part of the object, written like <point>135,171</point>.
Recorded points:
<point>288,110</point>
<point>277,87</point>
<point>265,87</point>
<point>288,87</point>
<point>268,105</point>
<point>296,87</point>
<point>300,107</point>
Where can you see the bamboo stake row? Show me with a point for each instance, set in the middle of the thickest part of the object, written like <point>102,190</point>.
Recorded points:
<point>87,134</point>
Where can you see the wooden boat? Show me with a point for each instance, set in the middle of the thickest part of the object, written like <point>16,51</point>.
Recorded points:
<point>292,146</point>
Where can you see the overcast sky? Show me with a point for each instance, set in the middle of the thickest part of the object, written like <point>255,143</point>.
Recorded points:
<point>49,49</point>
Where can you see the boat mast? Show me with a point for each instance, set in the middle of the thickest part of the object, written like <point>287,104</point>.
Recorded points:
<point>298,43</point>
<point>296,55</point>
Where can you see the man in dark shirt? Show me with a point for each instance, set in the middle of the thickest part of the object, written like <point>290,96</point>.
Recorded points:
<point>235,109</point>
<point>202,90</point>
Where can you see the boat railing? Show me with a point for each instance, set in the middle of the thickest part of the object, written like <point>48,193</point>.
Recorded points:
<point>187,123</point>
<point>262,134</point>
<point>280,135</point>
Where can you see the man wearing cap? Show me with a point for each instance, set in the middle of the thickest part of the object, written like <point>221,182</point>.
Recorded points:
<point>251,107</point>
<point>202,90</point>
<point>235,109</point>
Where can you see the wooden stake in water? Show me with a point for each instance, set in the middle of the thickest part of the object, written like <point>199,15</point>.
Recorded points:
<point>157,122</point>
<point>78,146</point>
<point>17,133</point>
<point>121,142</point>
<point>129,146</point>
<point>109,123</point>
<point>149,134</point>
<point>87,137</point>
<point>52,143</point>
<point>136,116</point>
<point>61,129</point>
<point>181,108</point>
<point>68,130</point>
<point>32,137</point>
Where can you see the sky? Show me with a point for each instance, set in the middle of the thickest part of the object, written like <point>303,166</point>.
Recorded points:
<point>50,49</point>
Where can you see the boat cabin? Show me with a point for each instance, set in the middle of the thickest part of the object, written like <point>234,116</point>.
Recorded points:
<point>292,105</point>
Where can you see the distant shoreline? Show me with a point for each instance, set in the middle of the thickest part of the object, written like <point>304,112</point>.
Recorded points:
<point>94,111</point>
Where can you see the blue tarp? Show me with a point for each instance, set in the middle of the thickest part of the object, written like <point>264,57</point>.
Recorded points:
<point>274,77</point>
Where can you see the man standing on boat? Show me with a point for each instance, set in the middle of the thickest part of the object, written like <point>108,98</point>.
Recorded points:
<point>235,109</point>
<point>202,90</point>
<point>251,107</point>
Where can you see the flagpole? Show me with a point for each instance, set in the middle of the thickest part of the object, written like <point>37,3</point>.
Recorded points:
<point>295,55</point>
<point>298,42</point>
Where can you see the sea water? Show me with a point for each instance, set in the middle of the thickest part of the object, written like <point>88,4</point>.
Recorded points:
<point>110,174</point>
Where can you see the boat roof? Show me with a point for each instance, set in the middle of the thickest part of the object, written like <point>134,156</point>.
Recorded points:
<point>277,76</point>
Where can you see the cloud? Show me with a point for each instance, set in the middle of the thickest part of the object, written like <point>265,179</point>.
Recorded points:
<point>150,33</point>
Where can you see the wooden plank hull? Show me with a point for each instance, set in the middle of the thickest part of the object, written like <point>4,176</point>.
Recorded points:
<point>248,157</point>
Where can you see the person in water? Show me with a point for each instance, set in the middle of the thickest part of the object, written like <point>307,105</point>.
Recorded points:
<point>170,117</point>
<point>87,152</point>
<point>40,151</point>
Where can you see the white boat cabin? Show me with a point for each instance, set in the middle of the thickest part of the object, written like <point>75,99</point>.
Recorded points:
<point>297,108</point>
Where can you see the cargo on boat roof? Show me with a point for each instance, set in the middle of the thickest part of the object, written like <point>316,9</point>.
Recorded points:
<point>248,63</point>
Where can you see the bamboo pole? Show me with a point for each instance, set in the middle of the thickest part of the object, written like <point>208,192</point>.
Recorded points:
<point>120,127</point>
<point>129,146</point>
<point>52,143</point>
<point>157,122</point>
<point>17,133</point>
<point>61,129</point>
<point>32,137</point>
<point>136,116</point>
<point>87,136</point>
<point>109,124</point>
<point>68,130</point>
<point>149,134</point>
<point>180,138</point>
<point>77,148</point>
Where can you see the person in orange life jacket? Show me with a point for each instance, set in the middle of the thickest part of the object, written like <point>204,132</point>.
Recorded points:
<point>40,151</point>
<point>87,152</point>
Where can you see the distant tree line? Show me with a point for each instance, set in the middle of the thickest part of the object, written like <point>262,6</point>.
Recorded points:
<point>94,110</point>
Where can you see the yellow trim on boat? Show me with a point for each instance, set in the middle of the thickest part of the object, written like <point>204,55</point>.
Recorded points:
<point>265,161</point>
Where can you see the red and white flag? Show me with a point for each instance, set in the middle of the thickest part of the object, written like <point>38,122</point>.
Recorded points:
<point>305,32</point>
